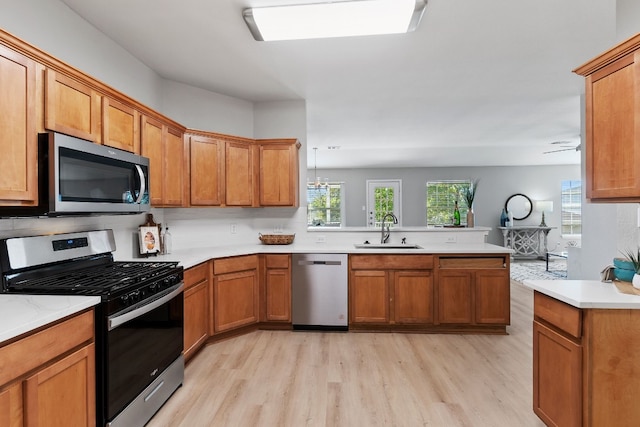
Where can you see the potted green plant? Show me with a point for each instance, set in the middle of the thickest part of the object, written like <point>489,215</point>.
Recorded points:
<point>634,258</point>
<point>468,195</point>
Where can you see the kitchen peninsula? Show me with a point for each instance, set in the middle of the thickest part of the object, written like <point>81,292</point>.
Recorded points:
<point>585,353</point>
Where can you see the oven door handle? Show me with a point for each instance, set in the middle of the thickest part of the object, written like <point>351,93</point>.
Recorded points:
<point>119,319</point>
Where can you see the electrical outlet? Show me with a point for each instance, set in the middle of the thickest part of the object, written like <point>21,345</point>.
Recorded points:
<point>234,228</point>
<point>450,239</point>
<point>321,239</point>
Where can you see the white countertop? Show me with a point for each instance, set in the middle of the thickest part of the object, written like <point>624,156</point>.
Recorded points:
<point>190,257</point>
<point>585,293</point>
<point>23,313</point>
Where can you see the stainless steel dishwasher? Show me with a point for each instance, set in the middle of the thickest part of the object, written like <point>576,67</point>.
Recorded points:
<point>319,292</point>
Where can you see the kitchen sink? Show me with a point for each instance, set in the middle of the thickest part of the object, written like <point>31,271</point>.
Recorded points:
<point>386,246</point>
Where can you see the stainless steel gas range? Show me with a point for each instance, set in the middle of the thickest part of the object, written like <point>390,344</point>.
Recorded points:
<point>139,323</point>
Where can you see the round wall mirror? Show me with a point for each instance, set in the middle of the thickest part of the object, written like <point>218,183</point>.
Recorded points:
<point>519,205</point>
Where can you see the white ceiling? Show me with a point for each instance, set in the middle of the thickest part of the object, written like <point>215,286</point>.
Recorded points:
<point>479,83</point>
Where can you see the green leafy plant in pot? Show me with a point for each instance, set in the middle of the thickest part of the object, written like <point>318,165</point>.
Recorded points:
<point>634,257</point>
<point>468,195</point>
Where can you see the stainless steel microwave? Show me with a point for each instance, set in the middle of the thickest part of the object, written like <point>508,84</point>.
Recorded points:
<point>78,177</point>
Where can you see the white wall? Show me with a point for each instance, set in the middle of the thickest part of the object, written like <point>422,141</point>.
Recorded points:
<point>627,15</point>
<point>201,109</point>
<point>54,28</point>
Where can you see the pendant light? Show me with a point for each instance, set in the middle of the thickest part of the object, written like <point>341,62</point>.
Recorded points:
<point>317,184</point>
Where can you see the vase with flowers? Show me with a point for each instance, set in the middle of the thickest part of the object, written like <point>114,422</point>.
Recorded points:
<point>468,195</point>
<point>634,258</point>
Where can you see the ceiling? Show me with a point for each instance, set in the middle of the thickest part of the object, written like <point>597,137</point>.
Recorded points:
<point>478,83</point>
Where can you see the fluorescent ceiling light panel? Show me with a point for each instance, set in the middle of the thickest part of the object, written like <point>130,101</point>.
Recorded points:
<point>334,19</point>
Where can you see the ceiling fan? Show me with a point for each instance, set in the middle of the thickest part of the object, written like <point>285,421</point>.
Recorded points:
<point>564,146</point>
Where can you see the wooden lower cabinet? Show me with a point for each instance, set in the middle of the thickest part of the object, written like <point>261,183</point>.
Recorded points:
<point>557,373</point>
<point>413,297</point>
<point>585,364</point>
<point>455,294</point>
<point>196,308</point>
<point>235,292</point>
<point>277,288</point>
<point>48,378</point>
<point>63,394</point>
<point>11,406</point>
<point>368,297</point>
<point>390,290</point>
<point>474,290</point>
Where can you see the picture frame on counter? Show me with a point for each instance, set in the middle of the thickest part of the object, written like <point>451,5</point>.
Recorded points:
<point>149,240</point>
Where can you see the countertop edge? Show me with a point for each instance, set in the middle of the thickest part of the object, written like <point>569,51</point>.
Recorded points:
<point>194,256</point>
<point>36,311</point>
<point>585,294</point>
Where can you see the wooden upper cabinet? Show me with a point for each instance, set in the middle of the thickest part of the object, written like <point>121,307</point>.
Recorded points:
<point>164,146</point>
<point>120,126</point>
<point>152,147</point>
<point>71,107</point>
<point>206,170</point>
<point>239,179</point>
<point>612,122</point>
<point>174,167</point>
<point>278,172</point>
<point>18,124</point>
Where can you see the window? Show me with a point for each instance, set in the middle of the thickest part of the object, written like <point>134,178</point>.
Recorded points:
<point>325,207</point>
<point>383,197</point>
<point>441,198</point>
<point>571,208</point>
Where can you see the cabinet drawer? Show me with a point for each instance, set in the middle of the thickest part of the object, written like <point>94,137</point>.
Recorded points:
<point>472,262</point>
<point>396,262</point>
<point>559,314</point>
<point>277,261</point>
<point>196,274</point>
<point>238,263</point>
<point>35,350</point>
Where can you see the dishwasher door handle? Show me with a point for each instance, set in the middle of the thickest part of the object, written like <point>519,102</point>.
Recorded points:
<point>300,262</point>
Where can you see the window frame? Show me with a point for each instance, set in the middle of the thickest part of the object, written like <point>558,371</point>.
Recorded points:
<point>577,199</point>
<point>462,207</point>
<point>341,209</point>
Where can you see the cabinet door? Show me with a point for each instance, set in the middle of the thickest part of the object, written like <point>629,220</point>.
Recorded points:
<point>120,126</point>
<point>413,297</point>
<point>11,413</point>
<point>18,135</point>
<point>492,297</point>
<point>557,377</point>
<point>173,167</point>
<point>152,147</point>
<point>196,317</point>
<point>278,290</point>
<point>63,394</point>
<point>206,171</point>
<point>235,300</point>
<point>278,174</point>
<point>238,174</point>
<point>71,107</point>
<point>454,296</point>
<point>613,130</point>
<point>368,296</point>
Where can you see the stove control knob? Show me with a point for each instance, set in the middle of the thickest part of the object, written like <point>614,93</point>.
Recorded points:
<point>153,287</point>
<point>134,296</point>
<point>125,299</point>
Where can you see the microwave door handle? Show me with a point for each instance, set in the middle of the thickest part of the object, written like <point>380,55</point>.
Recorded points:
<point>143,186</point>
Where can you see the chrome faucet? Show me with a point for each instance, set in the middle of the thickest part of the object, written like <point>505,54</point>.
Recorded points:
<point>385,236</point>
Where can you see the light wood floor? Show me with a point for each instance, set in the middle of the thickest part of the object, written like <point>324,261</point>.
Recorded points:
<point>281,378</point>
